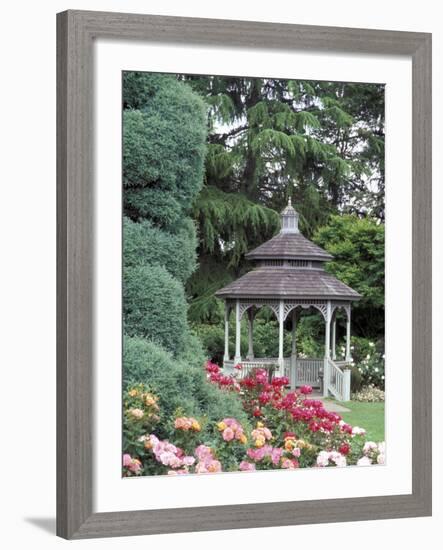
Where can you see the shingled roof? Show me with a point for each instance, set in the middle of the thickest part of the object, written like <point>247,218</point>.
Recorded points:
<point>289,246</point>
<point>287,282</point>
<point>290,279</point>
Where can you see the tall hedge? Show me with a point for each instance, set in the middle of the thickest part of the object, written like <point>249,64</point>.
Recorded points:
<point>153,204</point>
<point>143,243</point>
<point>164,141</point>
<point>154,306</point>
<point>164,135</point>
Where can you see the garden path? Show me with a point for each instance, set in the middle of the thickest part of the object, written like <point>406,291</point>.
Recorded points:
<point>329,405</point>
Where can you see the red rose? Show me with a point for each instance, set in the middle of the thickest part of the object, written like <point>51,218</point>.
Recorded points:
<point>344,448</point>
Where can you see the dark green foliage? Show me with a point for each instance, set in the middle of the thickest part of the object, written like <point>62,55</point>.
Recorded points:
<point>270,138</point>
<point>177,384</point>
<point>153,204</point>
<point>154,306</point>
<point>356,380</point>
<point>143,244</point>
<point>163,138</point>
<point>139,88</point>
<point>232,218</point>
<point>229,225</point>
<point>358,247</point>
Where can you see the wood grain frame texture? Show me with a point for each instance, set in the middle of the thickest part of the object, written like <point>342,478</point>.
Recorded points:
<point>76,31</point>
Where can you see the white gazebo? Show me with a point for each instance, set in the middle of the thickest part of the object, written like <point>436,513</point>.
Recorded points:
<point>289,276</point>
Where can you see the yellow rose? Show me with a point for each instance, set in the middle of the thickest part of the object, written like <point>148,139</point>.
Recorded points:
<point>221,426</point>
<point>260,425</point>
<point>149,400</point>
<point>137,413</point>
<point>196,426</point>
<point>260,441</point>
<point>133,392</point>
<point>289,444</point>
<point>243,439</point>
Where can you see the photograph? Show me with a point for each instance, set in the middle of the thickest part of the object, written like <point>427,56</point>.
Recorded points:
<point>253,274</point>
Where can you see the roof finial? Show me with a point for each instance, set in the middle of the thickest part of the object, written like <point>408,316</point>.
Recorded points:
<point>289,201</point>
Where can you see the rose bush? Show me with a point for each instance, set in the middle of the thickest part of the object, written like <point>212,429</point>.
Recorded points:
<point>286,429</point>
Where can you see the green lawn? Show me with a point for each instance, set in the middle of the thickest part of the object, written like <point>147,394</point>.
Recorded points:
<point>370,416</point>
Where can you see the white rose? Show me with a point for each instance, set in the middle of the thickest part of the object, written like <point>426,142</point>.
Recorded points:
<point>364,461</point>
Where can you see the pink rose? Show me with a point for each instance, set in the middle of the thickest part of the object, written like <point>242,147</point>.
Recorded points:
<point>166,458</point>
<point>127,460</point>
<point>228,434</point>
<point>203,452</point>
<point>276,455</point>
<point>245,466</point>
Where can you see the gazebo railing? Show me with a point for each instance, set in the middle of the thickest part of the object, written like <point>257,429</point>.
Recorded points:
<point>308,372</point>
<point>338,381</point>
<point>303,372</point>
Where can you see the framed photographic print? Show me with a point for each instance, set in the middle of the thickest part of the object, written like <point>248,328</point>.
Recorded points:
<point>244,274</point>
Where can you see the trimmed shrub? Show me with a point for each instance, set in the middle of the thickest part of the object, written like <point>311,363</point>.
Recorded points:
<point>154,204</point>
<point>143,244</point>
<point>178,385</point>
<point>193,354</point>
<point>164,139</point>
<point>139,88</point>
<point>154,306</point>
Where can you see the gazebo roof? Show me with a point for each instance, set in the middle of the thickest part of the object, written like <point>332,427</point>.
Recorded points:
<point>289,246</point>
<point>291,267</point>
<point>275,282</point>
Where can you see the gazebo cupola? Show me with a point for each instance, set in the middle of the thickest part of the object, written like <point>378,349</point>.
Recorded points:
<point>288,276</point>
<point>289,219</point>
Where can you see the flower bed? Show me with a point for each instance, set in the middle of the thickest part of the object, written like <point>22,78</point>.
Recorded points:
<point>369,394</point>
<point>288,430</point>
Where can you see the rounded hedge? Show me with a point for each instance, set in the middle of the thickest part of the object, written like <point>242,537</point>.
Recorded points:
<point>154,204</point>
<point>178,384</point>
<point>164,139</point>
<point>154,306</point>
<point>143,244</point>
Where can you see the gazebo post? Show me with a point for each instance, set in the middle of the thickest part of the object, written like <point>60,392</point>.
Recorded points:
<point>348,334</point>
<point>227,312</point>
<point>281,314</point>
<point>334,333</point>
<point>294,350</point>
<point>250,334</point>
<point>327,350</point>
<point>237,358</point>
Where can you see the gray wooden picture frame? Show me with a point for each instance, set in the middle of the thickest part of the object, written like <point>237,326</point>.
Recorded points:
<point>76,31</point>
